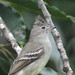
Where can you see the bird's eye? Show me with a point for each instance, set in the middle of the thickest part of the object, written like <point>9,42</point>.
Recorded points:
<point>43,27</point>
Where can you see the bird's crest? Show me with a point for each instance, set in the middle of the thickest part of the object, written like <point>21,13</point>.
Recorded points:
<point>40,21</point>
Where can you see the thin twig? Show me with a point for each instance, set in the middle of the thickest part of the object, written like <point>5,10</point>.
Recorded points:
<point>57,38</point>
<point>8,35</point>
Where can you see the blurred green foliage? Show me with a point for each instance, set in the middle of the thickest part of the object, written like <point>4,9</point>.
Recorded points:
<point>19,17</point>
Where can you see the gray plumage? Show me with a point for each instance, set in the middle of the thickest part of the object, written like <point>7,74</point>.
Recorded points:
<point>36,52</point>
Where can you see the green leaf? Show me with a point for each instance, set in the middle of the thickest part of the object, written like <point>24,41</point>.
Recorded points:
<point>6,53</point>
<point>71,18</point>
<point>28,5</point>
<point>48,71</point>
<point>13,21</point>
<point>4,64</point>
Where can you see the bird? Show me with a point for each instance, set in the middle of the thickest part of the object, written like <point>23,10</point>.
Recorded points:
<point>36,53</point>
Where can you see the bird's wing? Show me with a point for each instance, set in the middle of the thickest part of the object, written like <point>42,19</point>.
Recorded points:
<point>26,57</point>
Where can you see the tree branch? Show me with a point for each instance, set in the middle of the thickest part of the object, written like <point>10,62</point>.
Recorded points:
<point>57,38</point>
<point>8,35</point>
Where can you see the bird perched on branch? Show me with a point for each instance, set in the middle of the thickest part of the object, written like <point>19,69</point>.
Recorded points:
<point>35,53</point>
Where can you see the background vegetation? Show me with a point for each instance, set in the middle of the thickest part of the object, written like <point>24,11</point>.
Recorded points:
<point>19,16</point>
